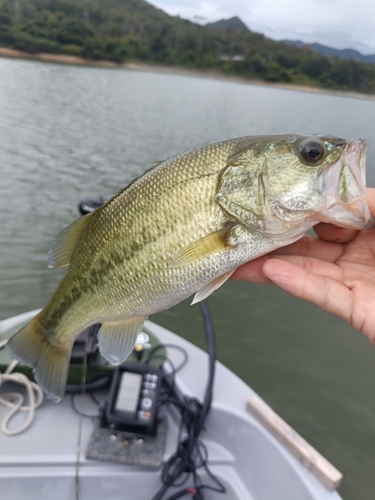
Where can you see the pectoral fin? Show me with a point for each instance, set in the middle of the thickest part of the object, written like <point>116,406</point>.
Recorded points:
<point>117,339</point>
<point>62,247</point>
<point>211,287</point>
<point>208,245</point>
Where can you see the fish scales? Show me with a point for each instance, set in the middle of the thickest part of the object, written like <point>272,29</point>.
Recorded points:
<point>150,208</point>
<point>184,227</point>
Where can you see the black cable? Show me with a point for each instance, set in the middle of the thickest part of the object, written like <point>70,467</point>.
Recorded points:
<point>79,411</point>
<point>211,348</point>
<point>164,358</point>
<point>151,355</point>
<point>95,399</point>
<point>191,453</point>
<point>96,381</point>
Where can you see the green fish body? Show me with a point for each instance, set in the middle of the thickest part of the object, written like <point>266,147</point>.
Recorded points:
<point>182,228</point>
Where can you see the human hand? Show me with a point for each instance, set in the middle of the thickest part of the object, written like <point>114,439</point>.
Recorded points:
<point>335,271</point>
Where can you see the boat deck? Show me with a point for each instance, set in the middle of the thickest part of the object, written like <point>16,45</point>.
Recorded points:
<point>41,463</point>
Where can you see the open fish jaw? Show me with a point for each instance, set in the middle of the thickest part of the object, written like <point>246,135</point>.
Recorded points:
<point>345,183</point>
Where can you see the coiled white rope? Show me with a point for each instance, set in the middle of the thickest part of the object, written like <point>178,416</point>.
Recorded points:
<point>14,400</point>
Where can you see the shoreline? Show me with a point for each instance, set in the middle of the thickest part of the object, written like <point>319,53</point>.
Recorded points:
<point>173,70</point>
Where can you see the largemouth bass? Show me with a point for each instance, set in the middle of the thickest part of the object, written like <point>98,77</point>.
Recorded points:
<point>183,228</point>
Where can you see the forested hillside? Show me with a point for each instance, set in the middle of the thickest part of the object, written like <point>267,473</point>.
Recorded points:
<point>133,30</point>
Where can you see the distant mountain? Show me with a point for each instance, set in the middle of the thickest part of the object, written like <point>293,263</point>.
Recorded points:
<point>234,23</point>
<point>136,31</point>
<point>329,51</point>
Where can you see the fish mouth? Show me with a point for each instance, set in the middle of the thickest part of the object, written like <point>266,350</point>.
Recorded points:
<point>345,183</point>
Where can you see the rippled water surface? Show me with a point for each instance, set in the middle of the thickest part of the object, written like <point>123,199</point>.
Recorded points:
<point>71,132</point>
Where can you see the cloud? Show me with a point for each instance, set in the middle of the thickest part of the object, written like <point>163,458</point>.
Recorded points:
<point>337,23</point>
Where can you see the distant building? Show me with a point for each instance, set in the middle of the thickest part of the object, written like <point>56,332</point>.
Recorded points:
<point>237,57</point>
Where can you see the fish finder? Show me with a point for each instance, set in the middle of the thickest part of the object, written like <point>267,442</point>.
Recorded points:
<point>133,398</point>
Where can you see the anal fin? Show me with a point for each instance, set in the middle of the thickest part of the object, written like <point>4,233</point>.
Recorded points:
<point>117,338</point>
<point>211,287</point>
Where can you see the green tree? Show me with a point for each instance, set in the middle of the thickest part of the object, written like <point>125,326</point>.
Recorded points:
<point>73,31</point>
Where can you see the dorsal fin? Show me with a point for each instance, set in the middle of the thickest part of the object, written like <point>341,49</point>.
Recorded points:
<point>63,245</point>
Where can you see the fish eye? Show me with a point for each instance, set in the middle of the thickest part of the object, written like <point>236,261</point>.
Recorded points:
<point>313,152</point>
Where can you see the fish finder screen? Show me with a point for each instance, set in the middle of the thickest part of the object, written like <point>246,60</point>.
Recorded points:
<point>128,394</point>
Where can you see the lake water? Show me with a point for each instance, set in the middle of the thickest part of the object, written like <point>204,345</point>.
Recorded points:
<point>71,132</point>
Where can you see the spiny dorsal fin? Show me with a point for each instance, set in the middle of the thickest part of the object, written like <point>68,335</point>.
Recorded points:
<point>211,287</point>
<point>63,245</point>
<point>208,245</point>
<point>117,339</point>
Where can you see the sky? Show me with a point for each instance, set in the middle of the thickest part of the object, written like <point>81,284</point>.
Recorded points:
<point>339,24</point>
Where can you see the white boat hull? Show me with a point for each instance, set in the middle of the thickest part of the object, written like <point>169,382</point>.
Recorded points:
<point>41,463</point>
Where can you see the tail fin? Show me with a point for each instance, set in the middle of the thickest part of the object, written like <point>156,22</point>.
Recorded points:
<point>50,363</point>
